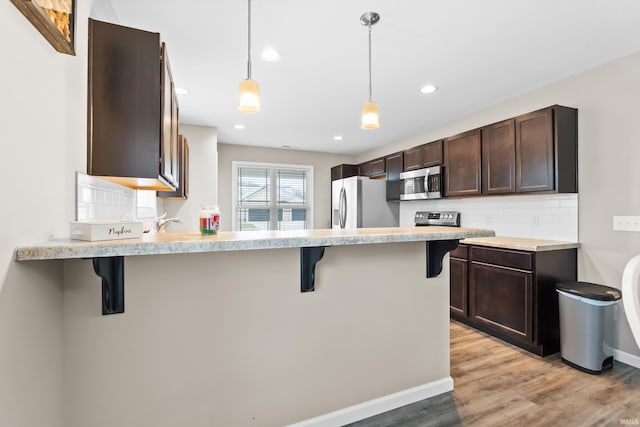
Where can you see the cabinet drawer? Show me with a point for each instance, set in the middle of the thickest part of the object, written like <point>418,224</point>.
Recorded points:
<point>460,252</point>
<point>503,257</point>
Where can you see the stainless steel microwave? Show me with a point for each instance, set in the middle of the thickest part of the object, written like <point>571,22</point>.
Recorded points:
<point>421,184</point>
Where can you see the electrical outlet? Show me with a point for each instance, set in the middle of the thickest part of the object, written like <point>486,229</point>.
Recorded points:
<point>626,223</point>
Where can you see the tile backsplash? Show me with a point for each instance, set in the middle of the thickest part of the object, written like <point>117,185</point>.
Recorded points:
<point>552,217</point>
<point>97,199</point>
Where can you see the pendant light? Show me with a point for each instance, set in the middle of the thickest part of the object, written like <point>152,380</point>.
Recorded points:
<point>370,113</point>
<point>249,90</point>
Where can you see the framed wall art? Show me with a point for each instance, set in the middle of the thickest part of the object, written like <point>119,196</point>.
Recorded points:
<point>54,19</point>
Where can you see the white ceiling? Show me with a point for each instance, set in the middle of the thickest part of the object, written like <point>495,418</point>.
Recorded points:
<point>477,52</point>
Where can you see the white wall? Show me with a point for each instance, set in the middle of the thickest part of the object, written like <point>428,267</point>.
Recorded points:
<point>203,178</point>
<point>321,162</point>
<point>608,102</point>
<point>43,137</point>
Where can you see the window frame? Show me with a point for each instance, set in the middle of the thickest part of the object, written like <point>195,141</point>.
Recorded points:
<point>273,208</point>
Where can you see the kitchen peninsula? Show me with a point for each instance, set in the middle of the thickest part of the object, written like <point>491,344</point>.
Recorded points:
<point>217,331</point>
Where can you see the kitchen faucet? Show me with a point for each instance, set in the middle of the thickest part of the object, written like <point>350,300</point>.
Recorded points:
<point>161,221</point>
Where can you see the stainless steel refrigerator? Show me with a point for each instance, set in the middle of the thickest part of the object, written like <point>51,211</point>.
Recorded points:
<point>360,202</point>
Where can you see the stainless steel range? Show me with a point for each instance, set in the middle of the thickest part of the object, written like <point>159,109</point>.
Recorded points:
<point>442,218</point>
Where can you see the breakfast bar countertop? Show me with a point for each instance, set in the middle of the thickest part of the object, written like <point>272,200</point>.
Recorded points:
<point>193,242</point>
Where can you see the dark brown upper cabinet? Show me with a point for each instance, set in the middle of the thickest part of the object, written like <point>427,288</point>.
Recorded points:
<point>413,158</point>
<point>182,190</point>
<point>534,152</point>
<point>343,171</point>
<point>462,164</point>
<point>499,158</point>
<point>372,168</point>
<point>394,164</point>
<point>432,154</point>
<point>423,156</point>
<point>132,111</point>
<point>547,150</point>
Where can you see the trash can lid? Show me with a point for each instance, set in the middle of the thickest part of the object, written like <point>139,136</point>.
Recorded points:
<point>590,290</point>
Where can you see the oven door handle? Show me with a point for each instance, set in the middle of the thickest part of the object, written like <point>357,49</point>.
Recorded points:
<point>426,183</point>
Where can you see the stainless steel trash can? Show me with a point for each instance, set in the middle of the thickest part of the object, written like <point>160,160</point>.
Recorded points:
<point>587,314</point>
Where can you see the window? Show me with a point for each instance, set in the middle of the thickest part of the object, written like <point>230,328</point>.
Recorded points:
<point>271,197</point>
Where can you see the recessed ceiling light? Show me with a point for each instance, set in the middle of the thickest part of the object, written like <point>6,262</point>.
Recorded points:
<point>338,138</point>
<point>182,91</point>
<point>428,89</point>
<point>239,126</point>
<point>271,55</point>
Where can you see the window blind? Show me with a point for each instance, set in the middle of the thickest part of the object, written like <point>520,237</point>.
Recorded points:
<point>272,198</point>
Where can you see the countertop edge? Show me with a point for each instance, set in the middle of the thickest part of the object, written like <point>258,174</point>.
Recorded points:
<point>534,246</point>
<point>66,249</point>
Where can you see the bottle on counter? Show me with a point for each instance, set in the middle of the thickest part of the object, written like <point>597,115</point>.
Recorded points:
<point>209,220</point>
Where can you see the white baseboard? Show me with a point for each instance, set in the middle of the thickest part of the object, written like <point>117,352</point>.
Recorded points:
<point>626,358</point>
<point>377,406</point>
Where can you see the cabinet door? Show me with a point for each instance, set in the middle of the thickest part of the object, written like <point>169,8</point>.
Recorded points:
<point>462,164</point>
<point>364,169</point>
<point>534,152</point>
<point>394,164</point>
<point>372,167</point>
<point>377,167</point>
<point>169,141</point>
<point>125,106</point>
<point>499,158</point>
<point>182,189</point>
<point>413,158</point>
<point>458,285</point>
<point>343,171</point>
<point>501,299</point>
<point>432,154</point>
<point>175,141</point>
<point>184,171</point>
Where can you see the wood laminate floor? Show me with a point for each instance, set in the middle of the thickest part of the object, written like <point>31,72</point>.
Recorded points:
<point>498,384</point>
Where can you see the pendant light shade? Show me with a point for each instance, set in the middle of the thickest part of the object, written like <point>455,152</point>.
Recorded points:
<point>370,113</point>
<point>249,96</point>
<point>249,89</point>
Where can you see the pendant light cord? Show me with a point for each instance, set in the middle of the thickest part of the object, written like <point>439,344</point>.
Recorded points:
<point>370,89</point>
<point>249,43</point>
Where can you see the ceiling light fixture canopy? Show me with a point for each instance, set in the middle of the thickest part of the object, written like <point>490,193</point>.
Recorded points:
<point>370,112</point>
<point>249,90</point>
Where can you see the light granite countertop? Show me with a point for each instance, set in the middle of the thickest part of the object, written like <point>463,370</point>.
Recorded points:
<point>522,244</point>
<point>192,242</point>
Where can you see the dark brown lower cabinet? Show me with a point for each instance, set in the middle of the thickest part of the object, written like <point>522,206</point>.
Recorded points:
<point>511,294</point>
<point>458,283</point>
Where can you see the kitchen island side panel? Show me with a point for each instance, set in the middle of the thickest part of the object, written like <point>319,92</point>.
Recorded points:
<point>228,338</point>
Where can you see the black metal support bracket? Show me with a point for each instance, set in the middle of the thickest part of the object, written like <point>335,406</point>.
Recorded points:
<point>436,250</point>
<point>111,270</point>
<point>309,256</point>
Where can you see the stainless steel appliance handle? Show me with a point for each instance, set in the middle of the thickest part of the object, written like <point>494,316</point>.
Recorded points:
<point>342,210</point>
<point>426,183</point>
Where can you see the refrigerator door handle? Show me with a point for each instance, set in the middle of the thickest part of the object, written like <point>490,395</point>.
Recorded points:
<point>343,208</point>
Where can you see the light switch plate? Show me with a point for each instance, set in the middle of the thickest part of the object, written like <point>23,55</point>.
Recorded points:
<point>626,223</point>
